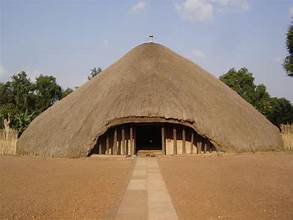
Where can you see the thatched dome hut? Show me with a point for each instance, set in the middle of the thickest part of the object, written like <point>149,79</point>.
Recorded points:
<point>151,98</point>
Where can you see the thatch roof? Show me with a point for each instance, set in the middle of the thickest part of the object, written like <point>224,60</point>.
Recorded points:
<point>149,83</point>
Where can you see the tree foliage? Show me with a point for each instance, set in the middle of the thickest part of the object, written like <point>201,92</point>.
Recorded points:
<point>277,110</point>
<point>288,62</point>
<point>281,111</point>
<point>22,100</point>
<point>46,92</point>
<point>94,72</point>
<point>66,92</point>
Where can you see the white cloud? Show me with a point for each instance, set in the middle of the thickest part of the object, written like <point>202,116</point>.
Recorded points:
<point>199,54</point>
<point>291,11</point>
<point>195,10</point>
<point>140,6</point>
<point>203,10</point>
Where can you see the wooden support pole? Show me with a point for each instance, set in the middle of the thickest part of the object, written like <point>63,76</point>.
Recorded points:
<point>127,147</point>
<point>107,144</point>
<point>123,141</point>
<point>115,142</point>
<point>210,147</point>
<point>134,140</point>
<point>100,146</point>
<point>191,142</point>
<point>111,140</point>
<point>183,141</point>
<point>198,147</point>
<point>163,140</point>
<point>205,147</point>
<point>174,141</point>
<point>131,141</point>
<point>119,142</point>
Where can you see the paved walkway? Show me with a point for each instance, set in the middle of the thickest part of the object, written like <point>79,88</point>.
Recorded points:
<point>147,196</point>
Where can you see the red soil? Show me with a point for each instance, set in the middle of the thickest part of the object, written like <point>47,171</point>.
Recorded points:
<point>61,188</point>
<point>237,186</point>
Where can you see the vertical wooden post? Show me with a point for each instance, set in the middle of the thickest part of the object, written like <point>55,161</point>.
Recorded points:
<point>174,141</point>
<point>131,141</point>
<point>191,142</point>
<point>205,146</point>
<point>111,139</point>
<point>183,141</point>
<point>210,147</point>
<point>134,140</point>
<point>107,143</point>
<point>163,140</point>
<point>198,147</point>
<point>100,146</point>
<point>126,147</point>
<point>123,141</point>
<point>118,143</point>
<point>115,142</point>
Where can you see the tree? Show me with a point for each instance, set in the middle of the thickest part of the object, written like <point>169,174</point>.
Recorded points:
<point>288,62</point>
<point>281,111</point>
<point>22,100</point>
<point>277,110</point>
<point>21,120</point>
<point>66,92</point>
<point>94,72</point>
<point>47,92</point>
<point>262,99</point>
<point>242,82</point>
<point>17,96</point>
<point>20,91</point>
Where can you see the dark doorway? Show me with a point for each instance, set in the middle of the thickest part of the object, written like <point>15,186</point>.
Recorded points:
<point>148,137</point>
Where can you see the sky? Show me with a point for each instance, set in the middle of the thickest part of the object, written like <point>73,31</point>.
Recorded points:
<point>67,38</point>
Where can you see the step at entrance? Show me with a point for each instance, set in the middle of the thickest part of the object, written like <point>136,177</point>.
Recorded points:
<point>149,153</point>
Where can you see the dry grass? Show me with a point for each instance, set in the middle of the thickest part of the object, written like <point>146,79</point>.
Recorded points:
<point>178,92</point>
<point>8,142</point>
<point>287,136</point>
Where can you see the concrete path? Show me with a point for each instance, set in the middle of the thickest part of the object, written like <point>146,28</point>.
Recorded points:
<point>147,196</point>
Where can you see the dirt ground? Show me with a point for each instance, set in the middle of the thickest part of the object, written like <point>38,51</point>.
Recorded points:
<point>235,186</point>
<point>89,188</point>
<point>232,186</point>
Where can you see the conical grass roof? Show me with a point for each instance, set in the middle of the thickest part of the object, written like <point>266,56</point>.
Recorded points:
<point>149,83</point>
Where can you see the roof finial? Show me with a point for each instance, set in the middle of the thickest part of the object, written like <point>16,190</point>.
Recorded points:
<point>151,38</point>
